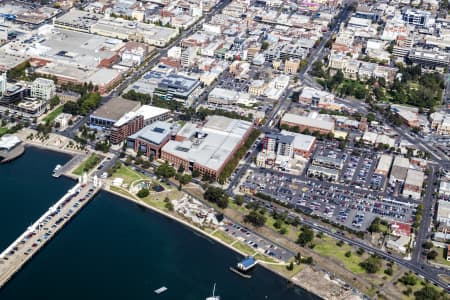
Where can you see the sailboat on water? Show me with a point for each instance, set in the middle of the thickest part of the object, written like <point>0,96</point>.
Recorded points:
<point>213,297</point>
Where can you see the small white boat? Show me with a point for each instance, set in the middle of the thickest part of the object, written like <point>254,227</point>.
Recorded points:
<point>57,168</point>
<point>213,297</point>
<point>161,290</point>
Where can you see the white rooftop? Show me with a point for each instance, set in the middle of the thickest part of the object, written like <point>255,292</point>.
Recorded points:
<point>147,111</point>
<point>7,142</point>
<point>210,145</point>
<point>301,141</point>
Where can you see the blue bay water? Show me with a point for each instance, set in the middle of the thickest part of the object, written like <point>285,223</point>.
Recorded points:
<point>114,249</point>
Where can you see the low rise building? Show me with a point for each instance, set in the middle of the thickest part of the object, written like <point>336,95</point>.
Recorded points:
<point>409,114</point>
<point>328,162</point>
<point>399,169</point>
<point>109,113</point>
<point>63,120</point>
<point>384,164</point>
<point>257,87</point>
<point>308,123</point>
<point>413,184</point>
<point>440,121</point>
<point>327,173</point>
<point>227,97</point>
<point>291,66</point>
<point>443,212</point>
<point>444,190</point>
<point>400,237</point>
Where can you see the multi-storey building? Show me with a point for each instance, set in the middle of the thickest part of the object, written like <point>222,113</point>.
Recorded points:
<point>207,148</point>
<point>43,89</point>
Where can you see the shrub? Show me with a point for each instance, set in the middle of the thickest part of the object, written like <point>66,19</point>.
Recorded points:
<point>143,193</point>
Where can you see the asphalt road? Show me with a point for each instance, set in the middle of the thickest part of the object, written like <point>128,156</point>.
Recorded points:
<point>428,201</point>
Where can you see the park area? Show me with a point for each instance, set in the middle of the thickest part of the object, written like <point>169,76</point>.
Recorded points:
<point>87,165</point>
<point>129,182</point>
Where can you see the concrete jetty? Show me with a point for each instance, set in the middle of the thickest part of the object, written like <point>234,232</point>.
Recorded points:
<point>77,159</point>
<point>44,229</point>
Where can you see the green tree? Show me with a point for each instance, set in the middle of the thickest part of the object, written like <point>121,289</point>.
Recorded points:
<point>372,264</point>
<point>54,102</point>
<point>143,193</point>
<point>375,226</point>
<point>389,271</point>
<point>408,279</point>
<point>432,255</point>
<point>428,292</point>
<point>278,224</point>
<point>239,200</point>
<point>370,117</point>
<point>255,218</point>
<point>216,195</point>
<point>185,179</point>
<point>264,45</point>
<point>165,170</point>
<point>169,205</point>
<point>305,237</point>
<point>290,267</point>
<point>195,173</point>
<point>427,245</point>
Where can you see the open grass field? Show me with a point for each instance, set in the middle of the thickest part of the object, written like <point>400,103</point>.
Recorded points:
<point>326,246</point>
<point>127,174</point>
<point>52,116</point>
<point>223,237</point>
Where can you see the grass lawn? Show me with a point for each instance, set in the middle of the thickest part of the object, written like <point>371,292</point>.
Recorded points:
<point>52,116</point>
<point>127,174</point>
<point>244,248</point>
<point>121,191</point>
<point>88,164</point>
<point>265,258</point>
<point>441,258</point>
<point>236,207</point>
<point>326,246</point>
<point>223,236</point>
<point>418,286</point>
<point>3,131</point>
<point>282,269</point>
<point>160,204</point>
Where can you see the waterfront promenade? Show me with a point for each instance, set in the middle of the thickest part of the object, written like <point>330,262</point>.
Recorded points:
<point>35,236</point>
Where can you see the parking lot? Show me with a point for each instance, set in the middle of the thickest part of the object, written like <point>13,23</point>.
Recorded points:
<point>258,243</point>
<point>347,205</point>
<point>357,166</point>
